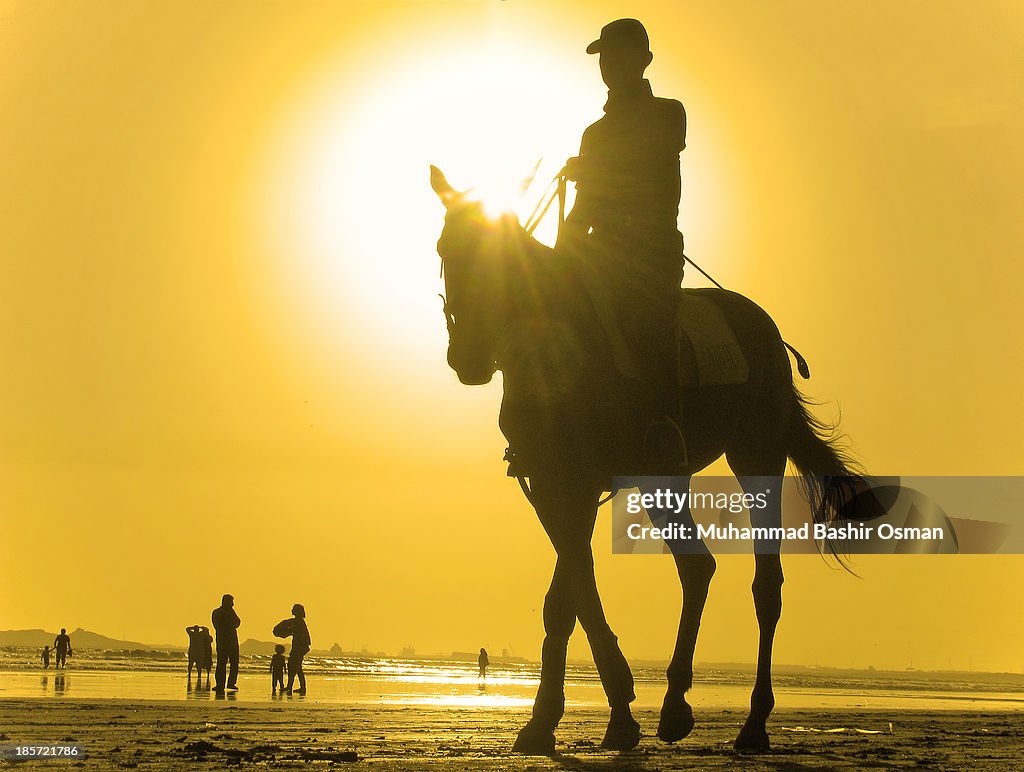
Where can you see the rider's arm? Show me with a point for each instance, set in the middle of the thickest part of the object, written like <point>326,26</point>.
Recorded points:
<point>675,125</point>
<point>583,170</point>
<point>577,168</point>
<point>576,222</point>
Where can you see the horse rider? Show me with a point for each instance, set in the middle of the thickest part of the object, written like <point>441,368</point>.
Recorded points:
<point>623,224</point>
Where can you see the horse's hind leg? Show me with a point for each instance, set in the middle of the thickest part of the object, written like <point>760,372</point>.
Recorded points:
<point>696,566</point>
<point>767,591</point>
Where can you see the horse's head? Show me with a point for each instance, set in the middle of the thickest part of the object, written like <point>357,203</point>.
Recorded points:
<point>471,248</point>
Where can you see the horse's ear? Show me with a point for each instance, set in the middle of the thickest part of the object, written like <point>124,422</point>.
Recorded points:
<point>441,186</point>
<point>527,181</point>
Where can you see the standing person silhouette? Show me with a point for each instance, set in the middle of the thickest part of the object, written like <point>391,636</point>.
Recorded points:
<point>62,643</point>
<point>225,623</point>
<point>194,651</point>
<point>300,647</point>
<point>277,668</point>
<point>483,661</point>
<point>622,228</point>
<point>206,653</point>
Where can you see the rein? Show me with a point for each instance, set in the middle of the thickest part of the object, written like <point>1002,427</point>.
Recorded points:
<point>535,219</point>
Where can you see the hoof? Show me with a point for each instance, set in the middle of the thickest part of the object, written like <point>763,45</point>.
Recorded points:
<point>535,740</point>
<point>623,733</point>
<point>676,722</point>
<point>752,739</point>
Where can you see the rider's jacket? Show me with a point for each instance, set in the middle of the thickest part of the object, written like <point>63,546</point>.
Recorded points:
<point>628,181</point>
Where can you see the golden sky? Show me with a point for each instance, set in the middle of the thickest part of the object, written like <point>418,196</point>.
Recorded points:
<point>222,357</point>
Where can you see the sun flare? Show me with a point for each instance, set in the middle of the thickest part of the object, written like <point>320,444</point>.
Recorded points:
<point>361,215</point>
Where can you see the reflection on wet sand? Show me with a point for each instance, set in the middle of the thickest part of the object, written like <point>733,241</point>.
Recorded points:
<point>437,683</point>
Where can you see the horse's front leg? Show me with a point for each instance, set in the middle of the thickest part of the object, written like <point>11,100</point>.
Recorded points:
<point>538,736</point>
<point>568,514</point>
<point>767,591</point>
<point>623,732</point>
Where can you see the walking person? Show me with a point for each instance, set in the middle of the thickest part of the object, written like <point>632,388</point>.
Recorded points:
<point>300,647</point>
<point>62,643</point>
<point>46,657</point>
<point>225,624</point>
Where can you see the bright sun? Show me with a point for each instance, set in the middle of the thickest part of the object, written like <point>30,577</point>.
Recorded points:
<point>361,221</point>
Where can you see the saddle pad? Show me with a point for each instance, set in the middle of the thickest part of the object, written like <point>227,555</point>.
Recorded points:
<point>717,353</point>
<point>715,357</point>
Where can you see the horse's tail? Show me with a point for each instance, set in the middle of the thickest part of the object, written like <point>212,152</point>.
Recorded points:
<point>801,363</point>
<point>829,478</point>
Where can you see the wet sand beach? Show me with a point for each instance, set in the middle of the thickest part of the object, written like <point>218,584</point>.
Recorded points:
<point>176,735</point>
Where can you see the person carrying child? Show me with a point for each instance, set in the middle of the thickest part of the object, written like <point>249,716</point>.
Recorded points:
<point>295,627</point>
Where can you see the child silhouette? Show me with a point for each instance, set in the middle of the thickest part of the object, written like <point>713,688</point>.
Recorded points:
<point>277,669</point>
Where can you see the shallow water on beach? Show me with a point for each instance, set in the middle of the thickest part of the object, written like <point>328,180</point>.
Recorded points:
<point>456,684</point>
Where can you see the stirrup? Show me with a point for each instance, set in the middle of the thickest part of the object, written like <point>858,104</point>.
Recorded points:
<point>672,452</point>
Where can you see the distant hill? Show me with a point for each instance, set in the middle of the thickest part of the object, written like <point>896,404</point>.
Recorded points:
<point>80,639</point>
<point>252,646</point>
<point>85,639</point>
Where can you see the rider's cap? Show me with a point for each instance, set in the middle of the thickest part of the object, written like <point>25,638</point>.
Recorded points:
<point>621,34</point>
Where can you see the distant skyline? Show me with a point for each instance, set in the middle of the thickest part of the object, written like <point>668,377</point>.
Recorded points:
<point>267,647</point>
<point>7,638</point>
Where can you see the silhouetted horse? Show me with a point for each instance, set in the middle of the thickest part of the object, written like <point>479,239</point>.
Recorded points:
<point>511,304</point>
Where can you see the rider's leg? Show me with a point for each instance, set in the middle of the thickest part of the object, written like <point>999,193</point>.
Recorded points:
<point>656,336</point>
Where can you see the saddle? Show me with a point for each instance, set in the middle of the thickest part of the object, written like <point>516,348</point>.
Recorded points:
<point>718,358</point>
<point>709,355</point>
